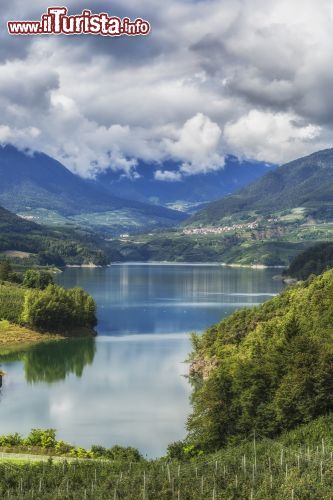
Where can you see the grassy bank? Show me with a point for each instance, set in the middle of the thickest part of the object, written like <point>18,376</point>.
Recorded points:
<point>15,336</point>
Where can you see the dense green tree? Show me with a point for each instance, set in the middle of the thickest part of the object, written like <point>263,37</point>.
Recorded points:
<point>5,270</point>
<point>314,260</point>
<point>11,302</point>
<point>84,307</point>
<point>116,453</point>
<point>37,279</point>
<point>41,438</point>
<point>50,259</point>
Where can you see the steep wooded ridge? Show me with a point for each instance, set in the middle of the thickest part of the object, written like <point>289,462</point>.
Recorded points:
<point>39,186</point>
<point>267,369</point>
<point>314,260</point>
<point>306,182</point>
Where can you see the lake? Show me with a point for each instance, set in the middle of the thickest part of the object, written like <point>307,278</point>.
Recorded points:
<point>128,386</point>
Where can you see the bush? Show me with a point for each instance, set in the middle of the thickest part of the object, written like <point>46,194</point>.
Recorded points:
<point>175,451</point>
<point>99,451</point>
<point>4,325</point>
<point>11,440</point>
<point>63,448</point>
<point>122,453</point>
<point>80,453</point>
<point>11,302</point>
<point>116,453</point>
<point>58,310</point>
<point>41,438</point>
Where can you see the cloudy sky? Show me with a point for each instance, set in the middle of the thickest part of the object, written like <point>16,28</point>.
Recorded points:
<point>248,77</point>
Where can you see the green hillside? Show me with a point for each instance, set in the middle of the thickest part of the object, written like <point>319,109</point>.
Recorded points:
<point>306,182</point>
<point>314,260</point>
<point>267,369</point>
<point>269,222</point>
<point>57,246</point>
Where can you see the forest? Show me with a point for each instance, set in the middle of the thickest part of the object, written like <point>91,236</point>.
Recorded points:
<point>314,260</point>
<point>50,246</point>
<point>266,369</point>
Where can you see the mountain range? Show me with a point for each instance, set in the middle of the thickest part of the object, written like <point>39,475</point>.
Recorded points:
<point>43,190</point>
<point>266,223</point>
<point>185,193</point>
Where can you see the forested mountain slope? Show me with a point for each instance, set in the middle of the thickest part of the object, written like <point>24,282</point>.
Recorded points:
<point>267,369</point>
<point>306,182</point>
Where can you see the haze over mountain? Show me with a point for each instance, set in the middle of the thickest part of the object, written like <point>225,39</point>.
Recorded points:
<point>162,184</point>
<point>306,183</point>
<point>42,189</point>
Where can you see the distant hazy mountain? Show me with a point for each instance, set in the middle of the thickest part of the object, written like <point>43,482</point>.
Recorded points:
<point>189,192</point>
<point>39,187</point>
<point>306,182</point>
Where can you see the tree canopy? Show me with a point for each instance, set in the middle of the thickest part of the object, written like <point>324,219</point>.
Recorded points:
<point>269,368</point>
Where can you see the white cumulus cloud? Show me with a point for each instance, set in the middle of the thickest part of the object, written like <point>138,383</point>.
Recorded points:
<point>167,175</point>
<point>274,137</point>
<point>197,146</point>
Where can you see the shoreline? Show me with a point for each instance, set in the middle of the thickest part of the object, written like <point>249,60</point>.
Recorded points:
<point>17,338</point>
<point>175,263</point>
<point>84,266</point>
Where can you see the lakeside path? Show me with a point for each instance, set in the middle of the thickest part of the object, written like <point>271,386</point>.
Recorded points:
<point>25,457</point>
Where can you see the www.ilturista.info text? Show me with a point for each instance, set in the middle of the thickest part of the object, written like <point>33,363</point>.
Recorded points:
<point>57,22</point>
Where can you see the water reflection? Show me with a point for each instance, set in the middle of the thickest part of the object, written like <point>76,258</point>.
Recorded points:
<point>52,362</point>
<point>136,298</point>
